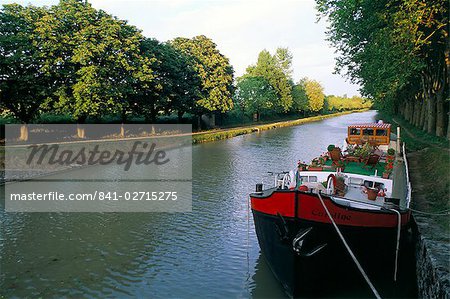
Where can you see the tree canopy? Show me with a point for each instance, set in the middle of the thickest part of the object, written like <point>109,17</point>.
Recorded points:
<point>255,95</point>
<point>276,70</point>
<point>214,70</point>
<point>398,51</point>
<point>82,63</point>
<point>24,83</point>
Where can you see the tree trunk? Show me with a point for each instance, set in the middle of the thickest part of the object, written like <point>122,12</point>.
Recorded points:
<point>410,111</point>
<point>256,116</point>
<point>401,110</point>
<point>416,113</point>
<point>81,131</point>
<point>431,128</point>
<point>422,114</point>
<point>440,113</point>
<point>425,116</point>
<point>405,110</point>
<point>122,131</point>
<point>199,122</point>
<point>180,116</point>
<point>213,119</point>
<point>448,126</point>
<point>23,132</point>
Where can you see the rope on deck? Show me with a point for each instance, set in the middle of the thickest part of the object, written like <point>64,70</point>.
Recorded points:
<point>375,292</point>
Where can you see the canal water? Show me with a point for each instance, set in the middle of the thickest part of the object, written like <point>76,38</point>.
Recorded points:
<point>210,252</point>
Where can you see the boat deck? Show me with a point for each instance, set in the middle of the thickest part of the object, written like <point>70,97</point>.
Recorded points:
<point>358,168</point>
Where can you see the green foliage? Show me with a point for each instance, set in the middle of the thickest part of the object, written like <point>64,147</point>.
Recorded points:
<point>283,58</point>
<point>94,57</point>
<point>175,86</point>
<point>315,95</point>
<point>71,62</point>
<point>213,69</point>
<point>397,51</point>
<point>299,97</point>
<point>255,95</point>
<point>24,84</point>
<point>391,151</point>
<point>336,103</point>
<point>275,69</point>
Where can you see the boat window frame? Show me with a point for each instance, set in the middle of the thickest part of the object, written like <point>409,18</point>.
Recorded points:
<point>359,130</point>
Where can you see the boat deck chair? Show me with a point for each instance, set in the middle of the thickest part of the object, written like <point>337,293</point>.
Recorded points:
<point>372,161</point>
<point>335,156</point>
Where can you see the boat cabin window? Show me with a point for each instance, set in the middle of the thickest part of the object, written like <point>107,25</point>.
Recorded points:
<point>355,131</point>
<point>368,132</point>
<point>381,132</point>
<point>355,181</point>
<point>370,184</point>
<point>309,179</point>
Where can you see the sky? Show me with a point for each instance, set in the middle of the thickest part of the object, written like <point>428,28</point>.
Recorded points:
<point>240,28</point>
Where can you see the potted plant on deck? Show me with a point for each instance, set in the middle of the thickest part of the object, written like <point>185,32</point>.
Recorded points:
<point>315,165</point>
<point>301,166</point>
<point>340,185</point>
<point>388,169</point>
<point>340,165</point>
<point>372,193</point>
<point>390,155</point>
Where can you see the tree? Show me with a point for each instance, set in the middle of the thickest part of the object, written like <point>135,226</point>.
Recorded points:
<point>398,51</point>
<point>95,58</point>
<point>255,95</point>
<point>24,84</point>
<point>283,57</point>
<point>214,71</point>
<point>315,95</point>
<point>176,84</point>
<point>275,69</point>
<point>300,100</point>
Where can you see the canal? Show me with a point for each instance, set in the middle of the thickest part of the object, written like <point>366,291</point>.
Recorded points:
<point>209,252</point>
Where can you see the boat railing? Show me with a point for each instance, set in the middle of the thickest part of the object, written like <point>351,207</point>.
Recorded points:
<point>408,183</point>
<point>340,200</point>
<point>281,179</point>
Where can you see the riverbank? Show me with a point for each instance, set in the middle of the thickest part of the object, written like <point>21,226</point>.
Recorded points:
<point>214,135</point>
<point>429,161</point>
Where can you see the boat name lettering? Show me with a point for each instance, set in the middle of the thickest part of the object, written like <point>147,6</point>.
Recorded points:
<point>335,215</point>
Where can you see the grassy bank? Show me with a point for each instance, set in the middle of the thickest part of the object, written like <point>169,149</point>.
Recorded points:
<point>429,158</point>
<point>214,135</point>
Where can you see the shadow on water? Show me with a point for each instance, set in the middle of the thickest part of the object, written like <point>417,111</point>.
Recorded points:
<point>264,284</point>
<point>210,252</point>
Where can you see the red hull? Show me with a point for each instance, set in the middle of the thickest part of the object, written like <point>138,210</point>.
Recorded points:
<point>307,206</point>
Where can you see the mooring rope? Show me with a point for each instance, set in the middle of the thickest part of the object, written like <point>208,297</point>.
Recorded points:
<point>248,239</point>
<point>349,250</point>
<point>440,213</point>
<point>399,225</point>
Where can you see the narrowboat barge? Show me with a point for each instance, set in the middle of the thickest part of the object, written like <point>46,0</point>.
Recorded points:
<point>338,221</point>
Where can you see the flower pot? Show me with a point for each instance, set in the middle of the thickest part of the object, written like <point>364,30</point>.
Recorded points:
<point>315,168</point>
<point>386,175</point>
<point>372,193</point>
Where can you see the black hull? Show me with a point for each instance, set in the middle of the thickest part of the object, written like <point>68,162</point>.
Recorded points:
<point>330,272</point>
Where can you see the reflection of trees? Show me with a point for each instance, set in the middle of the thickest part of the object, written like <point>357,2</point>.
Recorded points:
<point>65,253</point>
